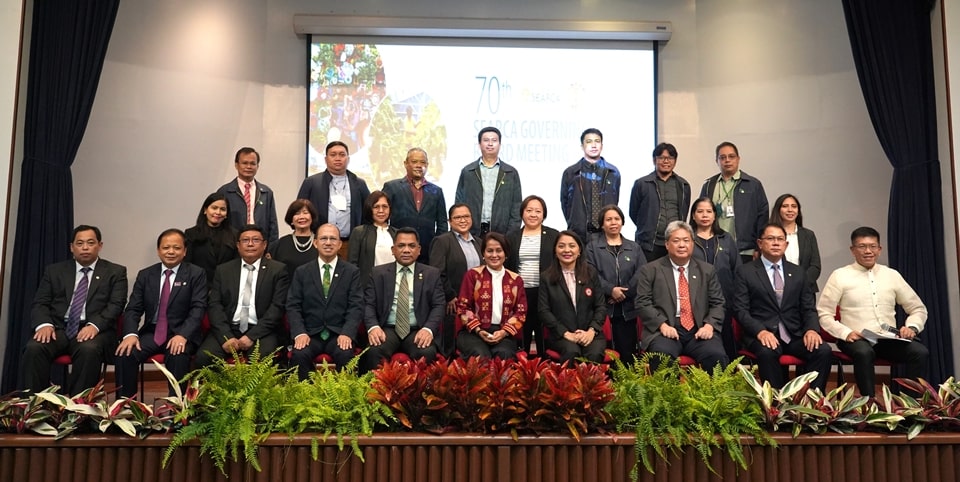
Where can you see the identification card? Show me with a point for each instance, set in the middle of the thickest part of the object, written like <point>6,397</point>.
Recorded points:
<point>339,202</point>
<point>729,211</point>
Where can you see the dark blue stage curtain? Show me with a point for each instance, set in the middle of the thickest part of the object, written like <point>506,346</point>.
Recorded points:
<point>891,44</point>
<point>67,49</point>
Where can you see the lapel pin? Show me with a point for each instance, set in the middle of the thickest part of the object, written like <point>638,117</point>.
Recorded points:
<point>336,275</point>
<point>96,277</point>
<point>693,276</point>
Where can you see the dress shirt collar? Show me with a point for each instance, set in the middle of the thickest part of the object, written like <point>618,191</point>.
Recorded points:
<point>768,265</point>
<point>332,263</point>
<point>93,266</point>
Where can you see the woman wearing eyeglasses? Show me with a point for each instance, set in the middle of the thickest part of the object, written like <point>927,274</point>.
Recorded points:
<point>371,242</point>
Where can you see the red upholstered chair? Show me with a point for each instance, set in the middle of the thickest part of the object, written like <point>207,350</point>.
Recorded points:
<point>607,331</point>
<point>684,360</point>
<point>786,361</point>
<point>840,357</point>
<point>161,358</point>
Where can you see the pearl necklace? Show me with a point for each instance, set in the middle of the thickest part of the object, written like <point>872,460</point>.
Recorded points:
<point>302,248</point>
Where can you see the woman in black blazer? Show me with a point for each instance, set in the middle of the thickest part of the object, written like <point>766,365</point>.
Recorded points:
<point>370,242</point>
<point>572,305</point>
<point>802,246</point>
<point>531,251</point>
<point>450,257</point>
<point>212,241</point>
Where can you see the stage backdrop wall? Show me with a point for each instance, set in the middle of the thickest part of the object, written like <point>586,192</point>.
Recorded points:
<point>188,82</point>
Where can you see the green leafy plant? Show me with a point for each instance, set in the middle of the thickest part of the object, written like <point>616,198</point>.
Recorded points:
<point>931,408</point>
<point>799,407</point>
<point>236,407</point>
<point>52,414</point>
<point>334,402</point>
<point>672,408</point>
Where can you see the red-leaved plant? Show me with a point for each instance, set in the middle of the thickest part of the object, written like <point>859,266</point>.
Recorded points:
<point>495,396</point>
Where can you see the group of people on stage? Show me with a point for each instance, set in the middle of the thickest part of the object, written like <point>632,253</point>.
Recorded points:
<point>382,270</point>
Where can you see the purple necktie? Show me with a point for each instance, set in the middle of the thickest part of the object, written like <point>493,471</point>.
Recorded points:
<point>76,306</point>
<point>160,334</point>
<point>778,290</point>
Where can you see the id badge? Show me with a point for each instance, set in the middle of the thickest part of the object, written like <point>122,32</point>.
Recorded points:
<point>339,202</point>
<point>728,210</point>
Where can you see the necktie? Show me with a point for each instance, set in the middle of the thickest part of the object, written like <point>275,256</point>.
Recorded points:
<point>160,334</point>
<point>778,290</point>
<point>571,279</point>
<point>245,300</point>
<point>686,310</point>
<point>403,305</point>
<point>326,279</point>
<point>246,200</point>
<point>76,306</point>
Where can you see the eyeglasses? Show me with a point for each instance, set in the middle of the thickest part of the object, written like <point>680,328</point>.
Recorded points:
<point>666,158</point>
<point>462,217</point>
<point>328,239</point>
<point>867,247</point>
<point>771,239</point>
<point>251,240</point>
<point>724,157</point>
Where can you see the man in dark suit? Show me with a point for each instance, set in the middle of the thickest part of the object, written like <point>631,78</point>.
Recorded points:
<point>402,305</point>
<point>247,301</point>
<point>776,308</point>
<point>244,193</point>
<point>324,306</point>
<point>171,297</point>
<point>681,303</point>
<point>417,203</point>
<point>337,193</point>
<point>453,253</point>
<point>75,313</point>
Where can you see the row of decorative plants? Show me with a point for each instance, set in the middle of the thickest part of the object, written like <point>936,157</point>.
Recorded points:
<point>230,408</point>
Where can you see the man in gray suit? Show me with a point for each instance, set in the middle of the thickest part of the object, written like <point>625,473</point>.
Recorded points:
<point>681,303</point>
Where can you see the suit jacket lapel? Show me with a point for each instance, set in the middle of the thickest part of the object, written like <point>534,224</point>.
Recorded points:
<point>764,280</point>
<point>666,268</point>
<point>94,281</point>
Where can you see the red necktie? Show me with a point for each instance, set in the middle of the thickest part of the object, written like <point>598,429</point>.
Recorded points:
<point>686,310</point>
<point>246,199</point>
<point>160,334</point>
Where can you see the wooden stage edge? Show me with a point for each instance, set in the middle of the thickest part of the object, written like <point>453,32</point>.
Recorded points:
<point>410,457</point>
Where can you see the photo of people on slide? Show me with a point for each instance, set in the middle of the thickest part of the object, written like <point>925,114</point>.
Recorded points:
<point>351,102</point>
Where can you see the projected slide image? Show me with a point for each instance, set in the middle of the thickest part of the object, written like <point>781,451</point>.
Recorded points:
<point>383,99</point>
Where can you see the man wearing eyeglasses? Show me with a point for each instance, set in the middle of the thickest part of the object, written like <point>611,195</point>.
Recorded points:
<point>657,199</point>
<point>587,186</point>
<point>776,309</point>
<point>867,293</point>
<point>739,200</point>
<point>324,306</point>
<point>247,299</point>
